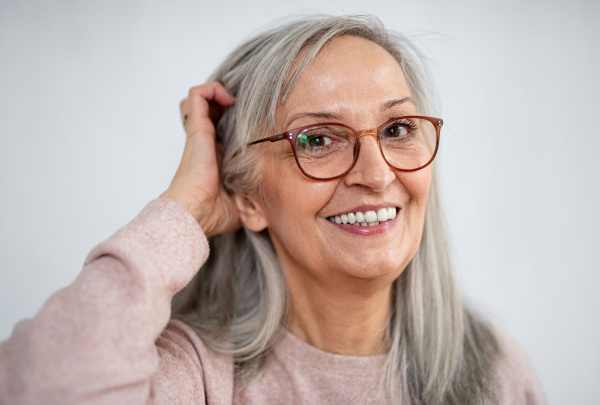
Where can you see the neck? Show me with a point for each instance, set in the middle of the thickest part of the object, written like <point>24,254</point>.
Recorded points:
<point>342,316</point>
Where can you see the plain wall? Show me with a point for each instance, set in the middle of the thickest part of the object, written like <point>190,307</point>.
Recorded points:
<point>90,132</point>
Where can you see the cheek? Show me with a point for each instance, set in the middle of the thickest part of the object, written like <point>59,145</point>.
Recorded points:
<point>292,211</point>
<point>293,201</point>
<point>417,186</point>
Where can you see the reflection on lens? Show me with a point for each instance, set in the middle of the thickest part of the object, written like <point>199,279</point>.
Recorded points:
<point>325,151</point>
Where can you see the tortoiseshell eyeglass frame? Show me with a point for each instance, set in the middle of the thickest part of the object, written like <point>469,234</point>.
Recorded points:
<point>292,135</point>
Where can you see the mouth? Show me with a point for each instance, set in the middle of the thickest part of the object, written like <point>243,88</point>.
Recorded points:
<point>365,218</point>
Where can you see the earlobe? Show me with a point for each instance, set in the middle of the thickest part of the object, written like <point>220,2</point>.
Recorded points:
<point>251,212</point>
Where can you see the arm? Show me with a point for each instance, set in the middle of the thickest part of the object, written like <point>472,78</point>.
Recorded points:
<point>97,341</point>
<point>96,337</point>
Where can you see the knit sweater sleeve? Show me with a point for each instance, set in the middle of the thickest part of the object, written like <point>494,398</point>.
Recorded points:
<point>102,339</point>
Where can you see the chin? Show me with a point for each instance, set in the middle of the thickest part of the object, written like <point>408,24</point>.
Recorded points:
<point>374,269</point>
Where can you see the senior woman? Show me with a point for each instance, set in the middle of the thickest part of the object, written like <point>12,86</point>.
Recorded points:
<point>308,165</point>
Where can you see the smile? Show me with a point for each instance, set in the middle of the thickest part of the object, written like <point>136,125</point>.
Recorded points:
<point>367,218</point>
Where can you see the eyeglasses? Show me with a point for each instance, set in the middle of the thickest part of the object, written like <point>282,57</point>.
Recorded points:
<point>329,151</point>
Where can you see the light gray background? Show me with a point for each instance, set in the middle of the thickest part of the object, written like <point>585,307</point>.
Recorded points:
<point>90,132</point>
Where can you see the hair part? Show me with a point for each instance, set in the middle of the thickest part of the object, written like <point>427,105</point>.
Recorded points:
<point>441,352</point>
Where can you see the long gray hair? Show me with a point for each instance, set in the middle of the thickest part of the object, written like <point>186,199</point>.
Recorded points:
<point>440,351</point>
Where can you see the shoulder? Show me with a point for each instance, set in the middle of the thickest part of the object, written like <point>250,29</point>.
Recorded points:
<point>185,361</point>
<point>516,377</point>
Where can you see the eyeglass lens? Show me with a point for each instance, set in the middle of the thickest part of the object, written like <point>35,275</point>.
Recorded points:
<point>328,151</point>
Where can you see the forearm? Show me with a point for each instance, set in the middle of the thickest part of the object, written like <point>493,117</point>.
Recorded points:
<point>96,337</point>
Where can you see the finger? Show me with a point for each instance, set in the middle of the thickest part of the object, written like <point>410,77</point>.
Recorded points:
<point>215,111</point>
<point>200,98</point>
<point>184,106</point>
<point>222,96</point>
<point>184,109</point>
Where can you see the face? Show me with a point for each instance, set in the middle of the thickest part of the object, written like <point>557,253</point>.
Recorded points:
<point>354,82</point>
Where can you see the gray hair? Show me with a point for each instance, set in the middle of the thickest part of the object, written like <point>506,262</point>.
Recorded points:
<point>440,352</point>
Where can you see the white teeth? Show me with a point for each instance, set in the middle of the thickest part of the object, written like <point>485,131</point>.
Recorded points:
<point>370,216</point>
<point>382,214</point>
<point>367,218</point>
<point>351,218</point>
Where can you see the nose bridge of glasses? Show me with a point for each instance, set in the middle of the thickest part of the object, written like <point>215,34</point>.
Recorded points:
<point>367,132</point>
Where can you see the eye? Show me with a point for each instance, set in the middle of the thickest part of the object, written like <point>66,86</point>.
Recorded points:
<point>317,138</point>
<point>315,141</point>
<point>397,130</point>
<point>322,141</point>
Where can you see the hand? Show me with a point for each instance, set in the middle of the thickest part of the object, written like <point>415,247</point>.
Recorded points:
<point>196,183</point>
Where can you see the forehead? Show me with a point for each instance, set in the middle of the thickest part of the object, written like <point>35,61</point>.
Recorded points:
<point>349,76</point>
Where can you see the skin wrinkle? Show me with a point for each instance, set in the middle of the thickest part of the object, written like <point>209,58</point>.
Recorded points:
<point>340,284</point>
<point>318,116</point>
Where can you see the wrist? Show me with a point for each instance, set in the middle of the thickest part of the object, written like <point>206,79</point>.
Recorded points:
<point>194,208</point>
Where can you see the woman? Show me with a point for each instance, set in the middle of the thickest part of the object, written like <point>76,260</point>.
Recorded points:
<point>329,279</point>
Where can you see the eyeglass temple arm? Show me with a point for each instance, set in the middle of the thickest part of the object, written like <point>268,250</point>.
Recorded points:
<point>273,138</point>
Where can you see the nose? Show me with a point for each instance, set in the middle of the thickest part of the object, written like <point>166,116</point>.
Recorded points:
<point>370,170</point>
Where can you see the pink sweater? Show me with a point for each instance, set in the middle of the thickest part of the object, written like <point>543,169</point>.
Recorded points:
<point>107,338</point>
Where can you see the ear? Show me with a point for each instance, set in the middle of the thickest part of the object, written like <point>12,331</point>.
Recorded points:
<point>251,212</point>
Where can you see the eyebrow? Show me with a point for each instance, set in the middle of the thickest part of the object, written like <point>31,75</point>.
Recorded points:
<point>321,115</point>
<point>393,103</point>
<point>332,116</point>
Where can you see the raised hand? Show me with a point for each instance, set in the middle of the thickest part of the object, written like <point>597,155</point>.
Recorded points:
<point>196,183</point>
